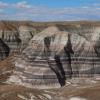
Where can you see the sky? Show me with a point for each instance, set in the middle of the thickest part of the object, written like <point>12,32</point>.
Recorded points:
<point>50,10</point>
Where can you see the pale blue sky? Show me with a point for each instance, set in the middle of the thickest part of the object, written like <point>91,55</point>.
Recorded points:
<point>50,10</point>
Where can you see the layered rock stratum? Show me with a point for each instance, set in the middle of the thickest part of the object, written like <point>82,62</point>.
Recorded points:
<point>55,55</point>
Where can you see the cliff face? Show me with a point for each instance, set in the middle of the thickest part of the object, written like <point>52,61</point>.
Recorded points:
<point>53,56</point>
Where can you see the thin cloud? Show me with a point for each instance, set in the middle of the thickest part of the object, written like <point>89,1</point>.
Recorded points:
<point>21,5</point>
<point>3,5</point>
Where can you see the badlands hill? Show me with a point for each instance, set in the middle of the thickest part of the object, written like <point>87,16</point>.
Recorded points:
<point>53,56</point>
<point>49,55</point>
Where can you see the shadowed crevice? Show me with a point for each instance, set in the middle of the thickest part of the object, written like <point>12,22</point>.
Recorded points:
<point>5,48</point>
<point>58,69</point>
<point>61,75</point>
<point>47,41</point>
<point>68,50</point>
<point>61,78</point>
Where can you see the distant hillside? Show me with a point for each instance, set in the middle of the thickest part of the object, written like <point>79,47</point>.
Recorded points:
<point>13,25</point>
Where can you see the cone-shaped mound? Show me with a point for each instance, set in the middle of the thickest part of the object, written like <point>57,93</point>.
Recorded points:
<point>53,56</point>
